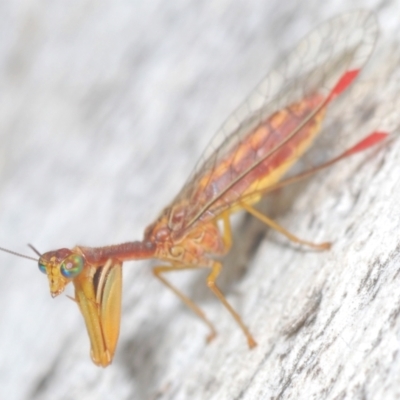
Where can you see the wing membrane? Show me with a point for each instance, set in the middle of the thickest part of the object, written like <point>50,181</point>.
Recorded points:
<point>277,122</point>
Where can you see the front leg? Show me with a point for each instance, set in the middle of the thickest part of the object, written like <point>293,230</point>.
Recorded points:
<point>98,293</point>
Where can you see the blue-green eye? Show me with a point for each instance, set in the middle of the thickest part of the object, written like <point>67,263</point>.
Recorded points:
<point>42,268</point>
<point>72,266</point>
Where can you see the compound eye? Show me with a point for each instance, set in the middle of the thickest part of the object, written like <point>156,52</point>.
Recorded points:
<point>72,266</point>
<point>42,268</point>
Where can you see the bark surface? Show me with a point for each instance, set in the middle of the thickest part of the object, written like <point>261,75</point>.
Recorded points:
<point>105,107</point>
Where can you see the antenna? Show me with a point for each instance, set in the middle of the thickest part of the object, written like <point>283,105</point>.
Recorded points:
<point>18,254</point>
<point>34,249</point>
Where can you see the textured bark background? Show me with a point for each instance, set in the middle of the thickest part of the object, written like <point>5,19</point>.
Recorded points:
<point>104,107</point>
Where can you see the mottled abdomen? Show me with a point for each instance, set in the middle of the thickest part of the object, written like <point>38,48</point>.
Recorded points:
<point>254,165</point>
<point>242,171</point>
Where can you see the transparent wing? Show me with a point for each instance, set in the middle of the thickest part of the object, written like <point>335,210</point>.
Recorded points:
<point>278,121</point>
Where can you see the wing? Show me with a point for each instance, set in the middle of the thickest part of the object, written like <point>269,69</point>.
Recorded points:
<point>278,122</point>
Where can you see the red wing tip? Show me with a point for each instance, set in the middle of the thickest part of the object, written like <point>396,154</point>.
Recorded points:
<point>379,135</point>
<point>344,82</point>
<point>369,141</point>
<point>373,138</point>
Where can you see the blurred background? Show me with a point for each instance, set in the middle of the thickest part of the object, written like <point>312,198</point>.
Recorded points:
<point>104,108</point>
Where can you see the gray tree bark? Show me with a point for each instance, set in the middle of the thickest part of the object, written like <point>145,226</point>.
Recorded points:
<point>104,107</point>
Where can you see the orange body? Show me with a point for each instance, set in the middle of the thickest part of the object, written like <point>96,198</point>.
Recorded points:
<point>248,157</point>
<point>177,239</point>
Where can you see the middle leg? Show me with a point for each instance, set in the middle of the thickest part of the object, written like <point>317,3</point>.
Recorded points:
<point>216,269</point>
<point>158,271</point>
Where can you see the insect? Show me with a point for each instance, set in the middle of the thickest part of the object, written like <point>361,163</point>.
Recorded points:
<point>286,118</point>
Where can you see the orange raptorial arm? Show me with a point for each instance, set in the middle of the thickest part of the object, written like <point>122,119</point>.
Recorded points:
<point>96,274</point>
<point>100,302</point>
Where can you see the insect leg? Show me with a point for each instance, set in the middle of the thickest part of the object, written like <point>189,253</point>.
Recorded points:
<point>158,271</point>
<point>216,269</point>
<point>277,227</point>
<point>227,235</point>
